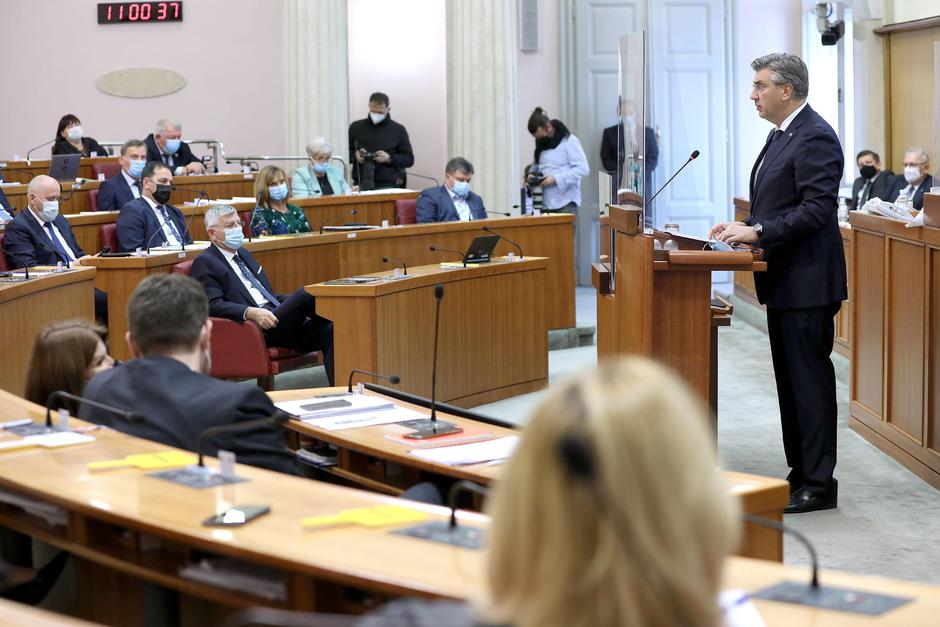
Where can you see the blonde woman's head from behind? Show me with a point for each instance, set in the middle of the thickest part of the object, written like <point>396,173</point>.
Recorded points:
<point>612,510</point>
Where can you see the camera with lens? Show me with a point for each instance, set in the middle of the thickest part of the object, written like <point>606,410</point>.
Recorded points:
<point>368,155</point>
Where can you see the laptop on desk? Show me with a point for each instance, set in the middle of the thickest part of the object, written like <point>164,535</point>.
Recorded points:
<point>64,167</point>
<point>481,249</point>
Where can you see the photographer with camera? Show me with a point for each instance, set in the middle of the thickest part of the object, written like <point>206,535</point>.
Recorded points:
<point>560,163</point>
<point>379,148</point>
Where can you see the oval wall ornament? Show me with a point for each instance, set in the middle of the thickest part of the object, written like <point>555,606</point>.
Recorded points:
<point>141,82</point>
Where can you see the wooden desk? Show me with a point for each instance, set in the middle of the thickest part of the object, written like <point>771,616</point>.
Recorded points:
<point>24,171</point>
<point>294,261</point>
<point>27,306</point>
<point>123,526</point>
<point>896,341</point>
<point>744,284</point>
<point>186,188</point>
<point>493,336</point>
<point>14,614</point>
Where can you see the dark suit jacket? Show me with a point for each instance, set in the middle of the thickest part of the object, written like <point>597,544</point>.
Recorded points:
<point>900,183</point>
<point>137,224</point>
<point>435,205</point>
<point>183,157</point>
<point>114,193</point>
<point>881,188</point>
<point>612,152</point>
<point>29,241</point>
<point>3,200</point>
<point>178,404</point>
<point>794,196</point>
<point>228,296</point>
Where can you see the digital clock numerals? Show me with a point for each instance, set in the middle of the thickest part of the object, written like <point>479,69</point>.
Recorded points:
<point>117,12</point>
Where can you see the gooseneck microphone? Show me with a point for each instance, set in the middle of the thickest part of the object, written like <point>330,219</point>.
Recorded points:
<point>76,185</point>
<point>501,213</point>
<point>392,378</point>
<point>399,262</point>
<point>30,151</point>
<point>158,231</point>
<point>438,296</point>
<point>692,157</point>
<point>202,196</point>
<point>779,526</point>
<point>277,419</point>
<point>56,395</point>
<point>462,486</point>
<point>463,256</point>
<point>25,266</point>
<point>422,176</point>
<point>503,237</point>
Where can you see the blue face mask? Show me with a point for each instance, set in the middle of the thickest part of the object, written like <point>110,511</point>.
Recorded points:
<point>278,192</point>
<point>50,210</point>
<point>234,237</point>
<point>136,167</point>
<point>172,145</point>
<point>320,168</point>
<point>461,188</point>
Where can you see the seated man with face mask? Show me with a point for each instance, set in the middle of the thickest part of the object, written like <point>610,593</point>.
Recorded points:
<point>124,186</point>
<point>149,221</point>
<point>40,236</point>
<point>916,179</point>
<point>167,381</point>
<point>238,289</point>
<point>453,200</point>
<point>873,182</point>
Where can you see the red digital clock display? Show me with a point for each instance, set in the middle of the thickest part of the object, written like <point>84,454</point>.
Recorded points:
<point>121,12</point>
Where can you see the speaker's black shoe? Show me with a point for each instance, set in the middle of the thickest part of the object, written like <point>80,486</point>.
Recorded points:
<point>803,501</point>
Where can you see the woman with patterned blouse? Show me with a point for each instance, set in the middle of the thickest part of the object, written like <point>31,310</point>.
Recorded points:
<point>274,215</point>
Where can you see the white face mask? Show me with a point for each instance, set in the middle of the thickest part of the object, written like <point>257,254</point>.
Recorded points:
<point>911,174</point>
<point>49,211</point>
<point>75,132</point>
<point>376,117</point>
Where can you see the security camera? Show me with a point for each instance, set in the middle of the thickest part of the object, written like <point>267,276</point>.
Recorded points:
<point>831,32</point>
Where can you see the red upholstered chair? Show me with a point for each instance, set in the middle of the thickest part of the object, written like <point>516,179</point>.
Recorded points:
<point>93,200</point>
<point>110,169</point>
<point>240,352</point>
<point>246,222</point>
<point>405,211</point>
<point>4,266</point>
<point>107,236</point>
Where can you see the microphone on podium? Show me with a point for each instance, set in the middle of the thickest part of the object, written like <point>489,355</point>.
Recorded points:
<point>437,249</point>
<point>397,262</point>
<point>392,378</point>
<point>692,157</point>
<point>489,230</point>
<point>422,176</point>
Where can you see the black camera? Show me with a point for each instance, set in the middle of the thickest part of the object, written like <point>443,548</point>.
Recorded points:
<point>534,180</point>
<point>368,155</point>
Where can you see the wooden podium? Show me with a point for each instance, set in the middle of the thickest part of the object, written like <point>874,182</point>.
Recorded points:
<point>493,335</point>
<point>657,303</point>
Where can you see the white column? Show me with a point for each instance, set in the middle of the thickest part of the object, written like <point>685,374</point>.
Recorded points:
<point>316,95</point>
<point>481,96</point>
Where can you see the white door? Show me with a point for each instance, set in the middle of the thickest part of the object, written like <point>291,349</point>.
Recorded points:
<point>598,25</point>
<point>688,70</point>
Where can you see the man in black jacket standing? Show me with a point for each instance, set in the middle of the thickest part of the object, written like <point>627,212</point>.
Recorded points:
<point>379,148</point>
<point>794,187</point>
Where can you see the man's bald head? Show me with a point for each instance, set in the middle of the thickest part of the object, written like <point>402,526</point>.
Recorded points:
<point>42,188</point>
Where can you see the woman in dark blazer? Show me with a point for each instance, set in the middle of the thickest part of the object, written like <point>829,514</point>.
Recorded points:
<point>70,139</point>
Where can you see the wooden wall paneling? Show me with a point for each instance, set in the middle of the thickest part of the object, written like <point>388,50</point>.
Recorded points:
<point>904,333</point>
<point>682,325</point>
<point>932,374</point>
<point>744,281</point>
<point>634,276</point>
<point>910,87</point>
<point>867,385</point>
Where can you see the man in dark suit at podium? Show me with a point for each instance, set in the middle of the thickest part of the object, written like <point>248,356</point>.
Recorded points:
<point>794,189</point>
<point>453,200</point>
<point>149,220</point>
<point>124,186</point>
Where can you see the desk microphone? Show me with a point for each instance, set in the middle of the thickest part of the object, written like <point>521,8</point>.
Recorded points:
<point>202,196</point>
<point>159,230</point>
<point>128,416</point>
<point>462,486</point>
<point>779,526</point>
<point>692,157</point>
<point>463,256</point>
<point>30,151</point>
<point>354,213</point>
<point>392,378</point>
<point>76,185</point>
<point>18,258</point>
<point>277,420</point>
<point>502,213</point>
<point>404,266</point>
<point>422,176</point>
<point>489,230</point>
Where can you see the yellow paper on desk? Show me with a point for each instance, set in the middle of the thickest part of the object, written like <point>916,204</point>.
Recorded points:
<point>147,461</point>
<point>378,516</point>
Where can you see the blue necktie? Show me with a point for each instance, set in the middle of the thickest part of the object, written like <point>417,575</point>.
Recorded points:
<point>59,248</point>
<point>169,223</point>
<point>271,298</point>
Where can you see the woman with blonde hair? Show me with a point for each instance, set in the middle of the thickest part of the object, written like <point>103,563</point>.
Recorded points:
<point>611,511</point>
<point>65,356</point>
<point>274,215</point>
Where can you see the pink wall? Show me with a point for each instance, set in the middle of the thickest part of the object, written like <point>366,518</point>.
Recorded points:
<point>539,77</point>
<point>229,51</point>
<point>410,66</point>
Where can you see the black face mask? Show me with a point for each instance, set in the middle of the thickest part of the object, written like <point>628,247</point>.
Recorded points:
<point>868,171</point>
<point>162,195</point>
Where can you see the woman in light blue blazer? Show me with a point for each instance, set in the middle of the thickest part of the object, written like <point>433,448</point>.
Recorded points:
<point>319,177</point>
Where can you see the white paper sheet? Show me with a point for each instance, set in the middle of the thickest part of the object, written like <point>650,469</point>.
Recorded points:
<point>366,419</point>
<point>466,454</point>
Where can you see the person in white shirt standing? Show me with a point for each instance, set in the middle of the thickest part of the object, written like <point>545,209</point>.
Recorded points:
<point>561,163</point>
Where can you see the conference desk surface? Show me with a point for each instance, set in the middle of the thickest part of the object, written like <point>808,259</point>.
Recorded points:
<point>142,527</point>
<point>28,306</point>
<point>294,261</point>
<point>14,614</point>
<point>367,457</point>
